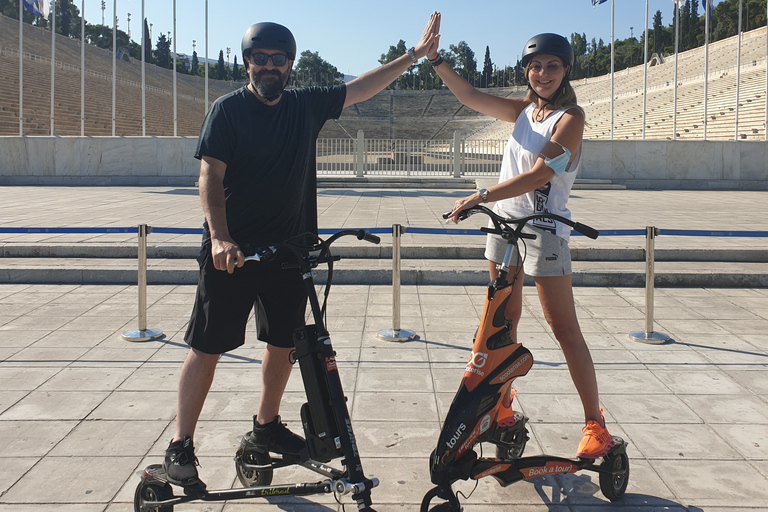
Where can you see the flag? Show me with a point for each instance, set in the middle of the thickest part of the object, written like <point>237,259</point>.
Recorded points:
<point>704,5</point>
<point>679,3</point>
<point>45,8</point>
<point>595,2</point>
<point>29,5</point>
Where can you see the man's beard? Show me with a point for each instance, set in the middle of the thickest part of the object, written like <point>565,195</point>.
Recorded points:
<point>269,84</point>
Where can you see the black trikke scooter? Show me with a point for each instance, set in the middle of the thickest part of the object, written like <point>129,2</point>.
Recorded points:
<point>327,426</point>
<point>481,411</point>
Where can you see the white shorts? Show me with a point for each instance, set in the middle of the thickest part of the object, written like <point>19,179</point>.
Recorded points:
<point>546,256</point>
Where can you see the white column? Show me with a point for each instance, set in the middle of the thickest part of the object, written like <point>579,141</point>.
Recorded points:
<point>677,38</point>
<point>706,65</point>
<point>53,56</point>
<point>738,74</point>
<point>82,68</point>
<point>143,73</point>
<point>613,44</point>
<point>173,64</point>
<point>114,63</point>
<point>21,69</point>
<point>645,71</point>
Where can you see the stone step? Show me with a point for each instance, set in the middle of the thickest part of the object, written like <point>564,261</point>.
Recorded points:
<point>365,250</point>
<point>379,271</point>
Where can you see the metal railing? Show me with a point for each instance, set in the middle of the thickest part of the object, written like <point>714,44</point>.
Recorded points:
<point>455,157</point>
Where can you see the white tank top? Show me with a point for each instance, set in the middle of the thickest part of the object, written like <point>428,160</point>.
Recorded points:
<point>520,154</point>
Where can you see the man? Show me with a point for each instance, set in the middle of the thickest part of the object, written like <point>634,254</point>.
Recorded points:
<point>258,187</point>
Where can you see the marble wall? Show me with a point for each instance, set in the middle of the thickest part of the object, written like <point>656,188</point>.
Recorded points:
<point>169,161</point>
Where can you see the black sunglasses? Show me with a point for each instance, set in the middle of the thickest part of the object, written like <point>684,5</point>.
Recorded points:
<point>260,59</point>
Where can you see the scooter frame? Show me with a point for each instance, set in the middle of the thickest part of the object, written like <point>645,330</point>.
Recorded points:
<point>325,417</point>
<point>482,410</point>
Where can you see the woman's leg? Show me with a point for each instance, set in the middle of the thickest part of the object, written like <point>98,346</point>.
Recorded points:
<point>556,297</point>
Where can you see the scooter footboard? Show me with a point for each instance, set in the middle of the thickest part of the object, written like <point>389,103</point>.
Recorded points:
<point>507,472</point>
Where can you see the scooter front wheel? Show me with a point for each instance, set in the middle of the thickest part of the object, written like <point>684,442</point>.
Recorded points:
<point>452,505</point>
<point>613,483</point>
<point>249,476</point>
<point>152,491</point>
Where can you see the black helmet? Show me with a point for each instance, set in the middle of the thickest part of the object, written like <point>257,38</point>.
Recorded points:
<point>550,44</point>
<point>269,36</point>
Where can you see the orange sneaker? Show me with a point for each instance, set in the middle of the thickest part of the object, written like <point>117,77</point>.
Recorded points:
<point>596,441</point>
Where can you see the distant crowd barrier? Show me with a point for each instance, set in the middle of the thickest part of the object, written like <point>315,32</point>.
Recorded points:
<point>648,335</point>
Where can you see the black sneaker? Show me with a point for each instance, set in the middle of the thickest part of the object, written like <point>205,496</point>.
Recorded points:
<point>275,437</point>
<point>180,463</point>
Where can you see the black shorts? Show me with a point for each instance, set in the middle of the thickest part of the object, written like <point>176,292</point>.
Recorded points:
<point>224,303</point>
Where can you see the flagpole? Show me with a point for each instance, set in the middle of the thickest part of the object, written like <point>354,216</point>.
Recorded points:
<point>114,62</point>
<point>706,64</point>
<point>82,68</point>
<point>645,71</point>
<point>53,56</point>
<point>612,57</point>
<point>143,72</point>
<point>677,38</point>
<point>21,68</point>
<point>738,74</point>
<point>175,100</point>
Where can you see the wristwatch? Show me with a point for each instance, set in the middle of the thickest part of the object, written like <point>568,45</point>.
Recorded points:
<point>412,56</point>
<point>483,194</point>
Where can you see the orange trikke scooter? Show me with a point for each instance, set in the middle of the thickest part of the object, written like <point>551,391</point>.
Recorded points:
<point>482,412</point>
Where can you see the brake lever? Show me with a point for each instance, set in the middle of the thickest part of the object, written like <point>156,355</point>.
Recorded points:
<point>262,253</point>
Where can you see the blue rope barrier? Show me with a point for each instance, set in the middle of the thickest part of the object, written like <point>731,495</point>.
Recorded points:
<point>379,231</point>
<point>692,232</point>
<point>133,229</point>
<point>177,231</point>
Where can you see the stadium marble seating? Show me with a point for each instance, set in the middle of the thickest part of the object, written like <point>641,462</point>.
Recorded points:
<point>431,114</point>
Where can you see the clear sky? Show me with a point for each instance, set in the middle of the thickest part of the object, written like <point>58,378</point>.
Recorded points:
<point>352,34</point>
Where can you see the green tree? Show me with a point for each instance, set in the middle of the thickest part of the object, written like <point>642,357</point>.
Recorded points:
<point>580,57</point>
<point>657,33</point>
<point>220,72</point>
<point>465,60</point>
<point>403,81</point>
<point>487,78</point>
<point>147,45</point>
<point>312,70</point>
<point>163,52</point>
<point>195,64</point>
<point>64,17</point>
<point>236,75</point>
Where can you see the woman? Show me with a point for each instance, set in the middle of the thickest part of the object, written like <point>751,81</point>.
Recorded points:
<point>539,166</point>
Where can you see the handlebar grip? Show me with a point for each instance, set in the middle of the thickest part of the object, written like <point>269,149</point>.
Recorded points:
<point>462,216</point>
<point>368,237</point>
<point>586,230</point>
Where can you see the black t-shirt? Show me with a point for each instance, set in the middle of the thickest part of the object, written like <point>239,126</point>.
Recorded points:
<point>270,184</point>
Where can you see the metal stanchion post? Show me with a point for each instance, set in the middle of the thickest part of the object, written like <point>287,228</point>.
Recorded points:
<point>395,333</point>
<point>649,335</point>
<point>142,333</point>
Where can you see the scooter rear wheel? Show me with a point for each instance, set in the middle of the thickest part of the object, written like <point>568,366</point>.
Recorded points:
<point>250,477</point>
<point>613,484</point>
<point>152,491</point>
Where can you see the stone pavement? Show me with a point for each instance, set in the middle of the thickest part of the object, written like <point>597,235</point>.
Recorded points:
<point>82,410</point>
